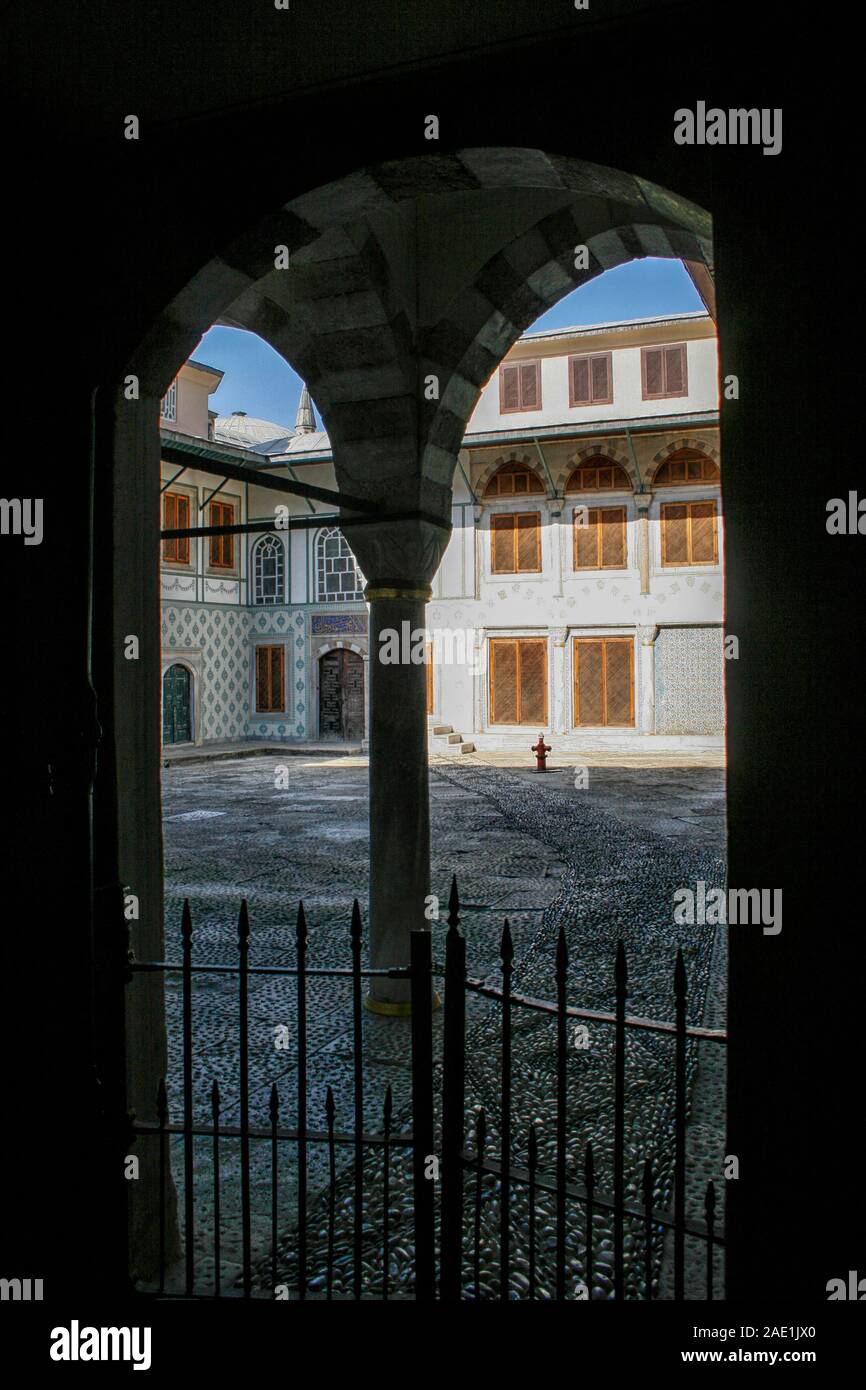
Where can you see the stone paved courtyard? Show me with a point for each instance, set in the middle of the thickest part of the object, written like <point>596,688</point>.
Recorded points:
<point>603,861</point>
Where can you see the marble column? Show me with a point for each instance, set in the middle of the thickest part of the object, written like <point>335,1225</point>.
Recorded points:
<point>559,712</point>
<point>399,559</point>
<point>642,503</point>
<point>647,637</point>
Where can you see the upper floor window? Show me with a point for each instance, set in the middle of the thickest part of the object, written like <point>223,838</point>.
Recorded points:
<point>222,548</point>
<point>515,543</point>
<point>519,386</point>
<point>689,533</point>
<point>268,570</point>
<point>175,517</point>
<point>599,474</point>
<point>686,466</point>
<point>664,372</point>
<point>590,379</point>
<point>513,480</point>
<point>338,579</point>
<point>168,404</point>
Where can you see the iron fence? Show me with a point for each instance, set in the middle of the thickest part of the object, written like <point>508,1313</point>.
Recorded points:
<point>443,1233</point>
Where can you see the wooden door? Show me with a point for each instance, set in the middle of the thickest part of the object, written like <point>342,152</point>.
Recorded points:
<point>176,705</point>
<point>604,681</point>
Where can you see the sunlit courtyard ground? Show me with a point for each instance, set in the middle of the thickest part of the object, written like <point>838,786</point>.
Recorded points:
<point>602,860</point>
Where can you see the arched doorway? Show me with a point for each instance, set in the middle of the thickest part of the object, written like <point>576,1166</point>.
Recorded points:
<point>177,705</point>
<point>341,695</point>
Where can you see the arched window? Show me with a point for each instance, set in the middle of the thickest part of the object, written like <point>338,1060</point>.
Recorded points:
<point>338,579</point>
<point>269,570</point>
<point>599,474</point>
<point>513,480</point>
<point>686,466</point>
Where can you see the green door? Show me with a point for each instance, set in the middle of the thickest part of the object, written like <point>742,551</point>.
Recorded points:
<point>176,714</point>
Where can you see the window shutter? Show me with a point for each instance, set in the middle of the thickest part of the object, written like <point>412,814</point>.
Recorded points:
<point>533,682</point>
<point>588,682</point>
<point>580,392</point>
<point>529,385</point>
<point>261,677</point>
<point>600,377</point>
<point>277,672</point>
<point>675,371</point>
<point>182,543</point>
<point>675,538</point>
<point>613,548</point>
<point>653,372</point>
<point>618,664</point>
<point>428,657</point>
<point>586,542</point>
<point>703,533</point>
<point>509,386</point>
<point>528,541</point>
<point>502,544</point>
<point>503,682</point>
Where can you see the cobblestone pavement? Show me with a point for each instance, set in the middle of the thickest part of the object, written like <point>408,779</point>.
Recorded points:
<point>537,850</point>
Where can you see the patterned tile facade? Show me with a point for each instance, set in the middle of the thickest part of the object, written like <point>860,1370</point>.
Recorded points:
<point>690,693</point>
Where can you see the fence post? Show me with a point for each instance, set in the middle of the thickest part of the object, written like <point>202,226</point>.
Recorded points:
<point>422,1111</point>
<point>453,1104</point>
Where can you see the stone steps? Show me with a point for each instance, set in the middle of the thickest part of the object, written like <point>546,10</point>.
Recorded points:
<point>445,740</point>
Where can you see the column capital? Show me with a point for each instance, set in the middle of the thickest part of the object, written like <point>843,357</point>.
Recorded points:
<point>648,634</point>
<point>642,500</point>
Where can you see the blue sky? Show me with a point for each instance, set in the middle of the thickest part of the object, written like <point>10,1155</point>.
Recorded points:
<point>260,382</point>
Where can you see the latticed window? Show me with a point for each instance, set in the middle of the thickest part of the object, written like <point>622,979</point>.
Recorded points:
<point>689,533</point>
<point>175,517</point>
<point>515,543</point>
<point>590,379</point>
<point>598,474</point>
<point>518,680</point>
<point>168,404</point>
<point>686,466</point>
<point>664,372</point>
<point>604,680</point>
<point>222,548</point>
<point>338,579</point>
<point>600,538</point>
<point>269,567</point>
<point>513,480</point>
<point>520,387</point>
<point>270,680</point>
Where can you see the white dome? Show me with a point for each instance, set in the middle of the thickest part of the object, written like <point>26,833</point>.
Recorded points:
<point>246,432</point>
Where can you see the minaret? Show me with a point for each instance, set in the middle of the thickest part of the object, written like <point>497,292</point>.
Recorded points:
<point>305,420</point>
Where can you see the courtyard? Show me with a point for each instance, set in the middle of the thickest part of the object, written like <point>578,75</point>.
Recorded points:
<point>599,853</point>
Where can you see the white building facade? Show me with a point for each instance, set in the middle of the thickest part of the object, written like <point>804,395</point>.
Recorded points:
<point>581,593</point>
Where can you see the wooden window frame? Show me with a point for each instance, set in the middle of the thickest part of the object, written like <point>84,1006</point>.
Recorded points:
<point>516,366</point>
<point>220,545</point>
<point>593,400</point>
<point>428,661</point>
<point>583,569</point>
<point>664,394</point>
<point>496,520</point>
<point>180,544</point>
<point>575,681</point>
<point>257,698</point>
<point>596,464</point>
<point>710,472</point>
<point>534,488</point>
<point>688,504</point>
<point>517,642</point>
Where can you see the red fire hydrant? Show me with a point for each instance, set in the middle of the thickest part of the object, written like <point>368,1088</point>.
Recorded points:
<point>541,750</point>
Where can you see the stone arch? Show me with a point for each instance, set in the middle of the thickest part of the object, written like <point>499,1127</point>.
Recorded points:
<point>513,456</point>
<point>703,446</point>
<point>339,645</point>
<point>603,448</point>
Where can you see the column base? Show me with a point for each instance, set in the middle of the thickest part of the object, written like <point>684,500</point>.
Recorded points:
<point>388,1010</point>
